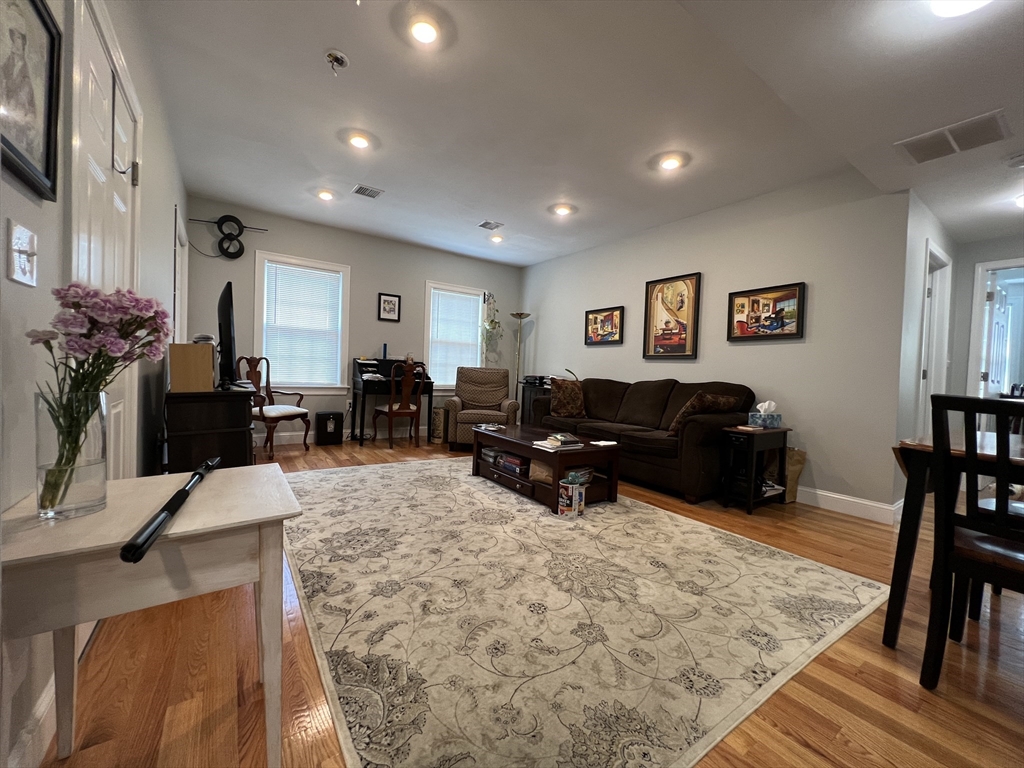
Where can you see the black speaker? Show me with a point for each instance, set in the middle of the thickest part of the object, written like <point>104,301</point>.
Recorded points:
<point>330,427</point>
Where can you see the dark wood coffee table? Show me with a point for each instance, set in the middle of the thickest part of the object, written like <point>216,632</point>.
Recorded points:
<point>519,440</point>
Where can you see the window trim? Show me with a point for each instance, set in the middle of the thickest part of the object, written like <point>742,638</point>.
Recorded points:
<point>431,285</point>
<point>259,311</point>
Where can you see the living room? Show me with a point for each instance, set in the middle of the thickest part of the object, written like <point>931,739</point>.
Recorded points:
<point>606,187</point>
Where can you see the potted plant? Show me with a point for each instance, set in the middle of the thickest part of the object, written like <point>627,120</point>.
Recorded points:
<point>92,339</point>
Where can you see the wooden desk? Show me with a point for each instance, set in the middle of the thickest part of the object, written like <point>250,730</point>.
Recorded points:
<point>230,532</point>
<point>914,458</point>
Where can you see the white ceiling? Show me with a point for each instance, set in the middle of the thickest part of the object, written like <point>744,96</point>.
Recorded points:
<point>533,103</point>
<point>867,74</point>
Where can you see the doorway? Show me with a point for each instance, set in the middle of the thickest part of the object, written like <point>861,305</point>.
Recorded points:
<point>934,333</point>
<point>996,361</point>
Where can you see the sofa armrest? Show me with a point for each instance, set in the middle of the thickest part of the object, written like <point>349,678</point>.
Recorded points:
<point>541,408</point>
<point>705,428</point>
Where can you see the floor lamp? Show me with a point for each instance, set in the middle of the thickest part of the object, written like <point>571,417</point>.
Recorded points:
<point>520,316</point>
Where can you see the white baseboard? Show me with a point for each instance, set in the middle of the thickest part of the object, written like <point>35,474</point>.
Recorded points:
<point>33,741</point>
<point>292,438</point>
<point>850,505</point>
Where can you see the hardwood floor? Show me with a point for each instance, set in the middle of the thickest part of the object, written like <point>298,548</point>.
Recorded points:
<point>177,685</point>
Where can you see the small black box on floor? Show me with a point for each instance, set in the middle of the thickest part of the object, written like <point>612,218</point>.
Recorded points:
<point>329,427</point>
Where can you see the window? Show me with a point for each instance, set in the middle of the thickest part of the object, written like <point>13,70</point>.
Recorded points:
<point>453,325</point>
<point>301,320</point>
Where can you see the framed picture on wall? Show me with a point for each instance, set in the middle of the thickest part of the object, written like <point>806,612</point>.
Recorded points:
<point>603,326</point>
<point>671,316</point>
<point>29,91</point>
<point>774,313</point>
<point>389,307</point>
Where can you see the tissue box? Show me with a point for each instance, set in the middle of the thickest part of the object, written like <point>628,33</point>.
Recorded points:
<point>766,420</point>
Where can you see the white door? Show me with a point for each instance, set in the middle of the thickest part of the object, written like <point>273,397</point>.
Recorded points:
<point>993,374</point>
<point>934,335</point>
<point>104,248</point>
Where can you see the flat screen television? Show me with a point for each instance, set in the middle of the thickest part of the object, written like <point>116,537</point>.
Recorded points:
<point>226,336</point>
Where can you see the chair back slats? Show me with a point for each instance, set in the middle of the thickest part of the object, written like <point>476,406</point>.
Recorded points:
<point>255,377</point>
<point>946,476</point>
<point>406,385</point>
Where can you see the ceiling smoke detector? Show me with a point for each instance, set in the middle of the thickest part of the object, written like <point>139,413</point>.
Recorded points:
<point>491,225</point>
<point>365,191</point>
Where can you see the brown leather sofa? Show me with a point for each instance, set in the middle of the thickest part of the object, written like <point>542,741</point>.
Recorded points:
<point>638,416</point>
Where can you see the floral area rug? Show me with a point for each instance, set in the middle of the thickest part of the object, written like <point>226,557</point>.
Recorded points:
<point>459,625</point>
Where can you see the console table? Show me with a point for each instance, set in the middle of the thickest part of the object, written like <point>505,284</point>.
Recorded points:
<point>230,532</point>
<point>204,424</point>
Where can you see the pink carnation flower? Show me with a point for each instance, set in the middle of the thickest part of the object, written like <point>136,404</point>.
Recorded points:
<point>39,337</point>
<point>79,347</point>
<point>68,321</point>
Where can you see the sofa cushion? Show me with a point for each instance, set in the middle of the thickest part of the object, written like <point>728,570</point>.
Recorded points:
<point>481,417</point>
<point>607,430</point>
<point>567,399</point>
<point>657,442</point>
<point>644,403</point>
<point>703,403</point>
<point>602,397</point>
<point>561,424</point>
<point>685,390</point>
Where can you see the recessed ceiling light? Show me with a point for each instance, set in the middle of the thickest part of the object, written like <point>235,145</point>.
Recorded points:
<point>496,238</point>
<point>1020,201</point>
<point>668,161</point>
<point>359,141</point>
<point>325,194</point>
<point>949,8</point>
<point>424,30</point>
<point>562,209</point>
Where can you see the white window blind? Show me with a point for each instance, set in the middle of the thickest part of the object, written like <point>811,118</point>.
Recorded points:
<point>454,324</point>
<point>302,321</point>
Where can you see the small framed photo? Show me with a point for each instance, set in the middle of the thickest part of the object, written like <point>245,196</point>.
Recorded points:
<point>671,315</point>
<point>29,91</point>
<point>768,313</point>
<point>603,326</point>
<point>389,307</point>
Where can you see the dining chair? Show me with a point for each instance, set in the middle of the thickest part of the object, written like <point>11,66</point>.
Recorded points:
<point>404,400</point>
<point>264,407</point>
<point>983,546</point>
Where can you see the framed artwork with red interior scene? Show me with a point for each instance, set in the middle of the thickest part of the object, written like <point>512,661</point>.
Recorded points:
<point>671,314</point>
<point>776,312</point>
<point>603,326</point>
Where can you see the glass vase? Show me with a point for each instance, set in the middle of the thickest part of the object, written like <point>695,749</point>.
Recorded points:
<point>71,454</point>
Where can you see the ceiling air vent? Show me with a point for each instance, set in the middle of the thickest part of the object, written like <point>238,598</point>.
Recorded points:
<point>491,225</point>
<point>970,134</point>
<point>365,191</point>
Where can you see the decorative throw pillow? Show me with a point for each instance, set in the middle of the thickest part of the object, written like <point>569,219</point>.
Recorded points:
<point>702,403</point>
<point>567,399</point>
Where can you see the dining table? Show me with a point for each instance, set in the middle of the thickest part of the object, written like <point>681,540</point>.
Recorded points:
<point>915,458</point>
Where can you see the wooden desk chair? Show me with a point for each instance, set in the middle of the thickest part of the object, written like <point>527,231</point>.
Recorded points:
<point>404,401</point>
<point>266,410</point>
<point>983,546</point>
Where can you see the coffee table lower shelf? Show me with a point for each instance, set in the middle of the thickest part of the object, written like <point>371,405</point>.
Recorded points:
<point>597,489</point>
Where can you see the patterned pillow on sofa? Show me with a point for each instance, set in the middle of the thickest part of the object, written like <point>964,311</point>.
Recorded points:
<point>567,399</point>
<point>702,403</point>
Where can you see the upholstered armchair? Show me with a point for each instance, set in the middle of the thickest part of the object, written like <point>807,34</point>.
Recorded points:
<point>481,397</point>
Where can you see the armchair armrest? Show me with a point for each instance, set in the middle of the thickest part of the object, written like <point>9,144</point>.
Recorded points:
<point>541,408</point>
<point>510,408</point>
<point>453,404</point>
<point>291,394</point>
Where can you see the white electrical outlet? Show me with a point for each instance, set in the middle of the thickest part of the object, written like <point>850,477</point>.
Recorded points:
<point>21,254</point>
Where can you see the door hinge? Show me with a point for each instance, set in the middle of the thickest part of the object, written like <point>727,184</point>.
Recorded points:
<point>924,374</point>
<point>135,173</point>
<point>989,295</point>
<point>984,375</point>
<point>928,294</point>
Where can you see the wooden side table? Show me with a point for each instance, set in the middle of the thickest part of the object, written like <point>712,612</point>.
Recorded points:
<point>744,463</point>
<point>231,532</point>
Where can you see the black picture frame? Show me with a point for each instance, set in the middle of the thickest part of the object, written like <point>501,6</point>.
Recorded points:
<point>740,313</point>
<point>42,181</point>
<point>688,328</point>
<point>588,337</point>
<point>386,317</point>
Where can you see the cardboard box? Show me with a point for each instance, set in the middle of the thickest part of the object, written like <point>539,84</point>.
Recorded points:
<point>191,367</point>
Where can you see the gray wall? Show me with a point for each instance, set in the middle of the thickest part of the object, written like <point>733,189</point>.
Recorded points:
<point>970,255</point>
<point>28,663</point>
<point>837,388</point>
<point>378,265</point>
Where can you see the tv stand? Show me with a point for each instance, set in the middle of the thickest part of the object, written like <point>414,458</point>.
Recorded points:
<point>200,425</point>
